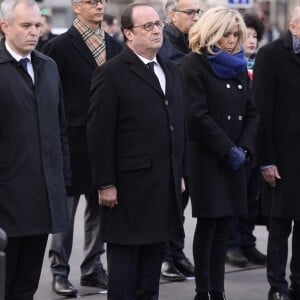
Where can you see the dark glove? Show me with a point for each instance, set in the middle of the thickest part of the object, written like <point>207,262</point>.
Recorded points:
<point>235,158</point>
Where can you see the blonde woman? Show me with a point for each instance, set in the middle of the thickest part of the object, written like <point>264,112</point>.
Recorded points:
<point>222,123</point>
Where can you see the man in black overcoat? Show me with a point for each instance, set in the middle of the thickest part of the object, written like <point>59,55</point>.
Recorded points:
<point>137,143</point>
<point>34,160</point>
<point>277,90</point>
<point>77,53</point>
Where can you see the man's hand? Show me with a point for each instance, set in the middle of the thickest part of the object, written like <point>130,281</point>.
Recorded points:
<point>183,188</point>
<point>270,174</point>
<point>108,197</point>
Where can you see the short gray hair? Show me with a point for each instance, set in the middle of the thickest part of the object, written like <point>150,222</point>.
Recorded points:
<point>7,7</point>
<point>171,5</point>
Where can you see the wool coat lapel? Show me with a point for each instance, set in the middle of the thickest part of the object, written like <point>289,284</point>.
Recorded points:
<point>81,46</point>
<point>140,69</point>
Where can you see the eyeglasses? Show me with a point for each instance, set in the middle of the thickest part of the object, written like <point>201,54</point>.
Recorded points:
<point>150,25</point>
<point>94,3</point>
<point>190,12</point>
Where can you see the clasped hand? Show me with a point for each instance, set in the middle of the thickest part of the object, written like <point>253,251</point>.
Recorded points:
<point>108,197</point>
<point>235,158</point>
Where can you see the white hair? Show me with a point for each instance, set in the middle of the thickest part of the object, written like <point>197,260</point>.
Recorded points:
<point>7,7</point>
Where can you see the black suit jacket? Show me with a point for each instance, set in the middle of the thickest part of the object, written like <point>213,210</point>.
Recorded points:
<point>76,65</point>
<point>137,142</point>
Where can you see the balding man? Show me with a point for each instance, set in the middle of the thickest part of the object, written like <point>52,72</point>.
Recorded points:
<point>276,90</point>
<point>137,142</point>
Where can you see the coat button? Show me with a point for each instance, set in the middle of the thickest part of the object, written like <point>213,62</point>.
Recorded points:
<point>240,86</point>
<point>171,128</point>
<point>228,85</point>
<point>166,102</point>
<point>228,118</point>
<point>240,118</point>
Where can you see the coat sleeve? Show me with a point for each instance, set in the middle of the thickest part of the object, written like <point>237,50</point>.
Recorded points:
<point>64,140</point>
<point>101,127</point>
<point>201,125</point>
<point>264,85</point>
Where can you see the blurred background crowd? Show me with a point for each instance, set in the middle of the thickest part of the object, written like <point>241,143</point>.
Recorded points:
<point>273,13</point>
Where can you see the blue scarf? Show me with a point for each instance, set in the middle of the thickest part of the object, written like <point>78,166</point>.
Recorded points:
<point>227,65</point>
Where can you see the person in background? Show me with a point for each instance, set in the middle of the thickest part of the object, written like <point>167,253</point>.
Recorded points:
<point>34,156</point>
<point>276,90</point>
<point>46,31</point>
<point>182,15</point>
<point>77,54</point>
<point>242,242</point>
<point>137,142</point>
<point>222,124</point>
<point>110,25</point>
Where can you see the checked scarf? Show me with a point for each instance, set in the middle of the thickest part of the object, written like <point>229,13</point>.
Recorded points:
<point>94,41</point>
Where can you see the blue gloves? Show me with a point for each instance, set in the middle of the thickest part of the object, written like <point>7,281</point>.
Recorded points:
<point>235,158</point>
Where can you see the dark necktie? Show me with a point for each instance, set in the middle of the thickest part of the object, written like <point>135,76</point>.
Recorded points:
<point>23,62</point>
<point>150,66</point>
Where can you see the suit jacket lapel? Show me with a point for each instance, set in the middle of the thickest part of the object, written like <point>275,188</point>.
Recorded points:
<point>140,69</point>
<point>81,47</point>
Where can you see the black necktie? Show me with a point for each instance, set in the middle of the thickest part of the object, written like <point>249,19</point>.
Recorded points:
<point>150,66</point>
<point>23,62</point>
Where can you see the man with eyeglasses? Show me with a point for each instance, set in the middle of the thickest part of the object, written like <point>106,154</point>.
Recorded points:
<point>77,54</point>
<point>182,15</point>
<point>137,142</point>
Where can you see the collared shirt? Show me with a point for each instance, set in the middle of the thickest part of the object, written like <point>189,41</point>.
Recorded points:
<point>157,70</point>
<point>18,57</point>
<point>296,45</point>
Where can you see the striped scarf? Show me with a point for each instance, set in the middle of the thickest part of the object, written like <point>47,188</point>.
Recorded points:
<point>94,41</point>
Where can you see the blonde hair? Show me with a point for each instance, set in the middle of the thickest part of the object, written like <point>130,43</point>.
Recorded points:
<point>212,25</point>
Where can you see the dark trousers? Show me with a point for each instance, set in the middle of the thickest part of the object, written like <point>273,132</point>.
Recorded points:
<point>134,271</point>
<point>174,248</point>
<point>24,260</point>
<point>209,250</point>
<point>242,227</point>
<point>279,231</point>
<point>61,243</point>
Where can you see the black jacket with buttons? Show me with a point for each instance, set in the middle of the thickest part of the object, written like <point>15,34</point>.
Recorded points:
<point>221,115</point>
<point>137,141</point>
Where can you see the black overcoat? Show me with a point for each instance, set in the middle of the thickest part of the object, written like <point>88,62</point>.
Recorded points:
<point>137,142</point>
<point>76,66</point>
<point>221,115</point>
<point>277,93</point>
<point>33,148</point>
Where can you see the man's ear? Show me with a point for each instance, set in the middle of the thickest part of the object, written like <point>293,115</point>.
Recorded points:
<point>171,16</point>
<point>3,27</point>
<point>76,8</point>
<point>292,28</point>
<point>128,33</point>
